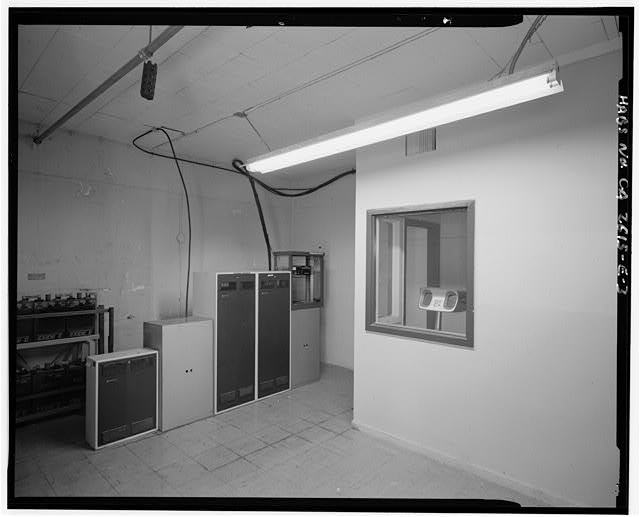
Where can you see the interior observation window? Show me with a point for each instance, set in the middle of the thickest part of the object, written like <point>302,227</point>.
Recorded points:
<point>420,272</point>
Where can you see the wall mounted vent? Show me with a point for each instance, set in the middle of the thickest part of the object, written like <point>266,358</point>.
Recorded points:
<point>420,142</point>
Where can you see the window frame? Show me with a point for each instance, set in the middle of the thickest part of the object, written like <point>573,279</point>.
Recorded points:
<point>371,286</point>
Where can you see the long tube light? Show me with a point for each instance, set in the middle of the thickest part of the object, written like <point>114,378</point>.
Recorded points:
<point>414,117</point>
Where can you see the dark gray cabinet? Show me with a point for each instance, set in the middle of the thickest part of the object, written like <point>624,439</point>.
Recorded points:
<point>274,332</point>
<point>235,339</point>
<point>252,335</point>
<point>121,395</point>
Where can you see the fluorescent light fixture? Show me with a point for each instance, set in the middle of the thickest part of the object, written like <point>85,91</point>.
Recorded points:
<point>506,91</point>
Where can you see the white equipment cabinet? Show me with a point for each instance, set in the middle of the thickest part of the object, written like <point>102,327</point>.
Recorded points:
<point>305,346</point>
<point>185,347</point>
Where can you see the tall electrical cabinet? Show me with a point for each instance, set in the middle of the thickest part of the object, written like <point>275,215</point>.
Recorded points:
<point>252,336</point>
<point>274,332</point>
<point>121,395</point>
<point>185,346</point>
<point>235,348</point>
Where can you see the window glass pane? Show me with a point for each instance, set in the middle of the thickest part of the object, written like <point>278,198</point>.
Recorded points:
<point>389,282</point>
<point>417,273</point>
<point>421,270</point>
<point>453,264</point>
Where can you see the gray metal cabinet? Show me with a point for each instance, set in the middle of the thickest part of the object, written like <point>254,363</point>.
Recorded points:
<point>185,347</point>
<point>305,346</point>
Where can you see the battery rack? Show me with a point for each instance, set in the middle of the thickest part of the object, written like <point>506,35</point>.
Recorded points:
<point>57,388</point>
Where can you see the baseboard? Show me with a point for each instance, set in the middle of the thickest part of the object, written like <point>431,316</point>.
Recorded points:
<point>332,365</point>
<point>488,475</point>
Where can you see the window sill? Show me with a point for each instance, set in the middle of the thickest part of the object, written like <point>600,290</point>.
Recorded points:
<point>423,335</point>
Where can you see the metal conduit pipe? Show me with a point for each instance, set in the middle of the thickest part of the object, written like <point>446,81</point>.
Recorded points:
<point>141,56</point>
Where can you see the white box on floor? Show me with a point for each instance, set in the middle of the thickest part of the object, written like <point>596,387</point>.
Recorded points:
<point>185,347</point>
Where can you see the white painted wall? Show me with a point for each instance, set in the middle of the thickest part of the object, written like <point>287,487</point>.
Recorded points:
<point>324,221</point>
<point>534,401</point>
<point>93,213</point>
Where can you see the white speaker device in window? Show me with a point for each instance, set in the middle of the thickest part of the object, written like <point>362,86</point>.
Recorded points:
<point>442,300</point>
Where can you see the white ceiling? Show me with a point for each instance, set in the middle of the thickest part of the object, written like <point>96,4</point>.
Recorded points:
<point>206,74</point>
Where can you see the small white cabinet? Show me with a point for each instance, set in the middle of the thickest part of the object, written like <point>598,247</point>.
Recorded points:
<point>305,346</point>
<point>185,347</point>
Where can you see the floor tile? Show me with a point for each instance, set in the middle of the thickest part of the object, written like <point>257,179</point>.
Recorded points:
<point>267,457</point>
<point>272,434</point>
<point>196,445</point>
<point>78,477</point>
<point>147,485</point>
<point>118,475</point>
<point>293,445</point>
<point>245,445</point>
<point>235,470</point>
<point>180,434</point>
<point>119,465</point>
<point>206,485</point>
<point>182,472</point>
<point>113,457</point>
<point>35,485</point>
<point>211,424</point>
<point>294,425</point>
<point>316,416</point>
<point>316,434</point>
<point>156,452</point>
<point>336,425</point>
<point>226,434</point>
<point>258,484</point>
<point>215,457</point>
<point>25,468</point>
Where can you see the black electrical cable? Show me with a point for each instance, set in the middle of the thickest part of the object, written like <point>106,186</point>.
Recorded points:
<point>512,62</point>
<point>278,191</point>
<point>534,27</point>
<point>186,195</point>
<point>134,142</point>
<point>238,168</point>
<point>252,182</point>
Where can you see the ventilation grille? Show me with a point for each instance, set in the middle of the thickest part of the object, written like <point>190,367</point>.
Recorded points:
<point>246,391</point>
<point>420,142</point>
<point>228,396</point>
<point>142,425</point>
<point>118,433</point>
<point>266,385</point>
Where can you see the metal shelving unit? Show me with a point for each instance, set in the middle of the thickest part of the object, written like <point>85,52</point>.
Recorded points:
<point>49,393</point>
<point>50,412</point>
<point>53,342</point>
<point>97,336</point>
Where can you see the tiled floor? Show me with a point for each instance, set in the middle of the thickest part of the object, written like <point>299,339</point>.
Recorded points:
<point>296,444</point>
